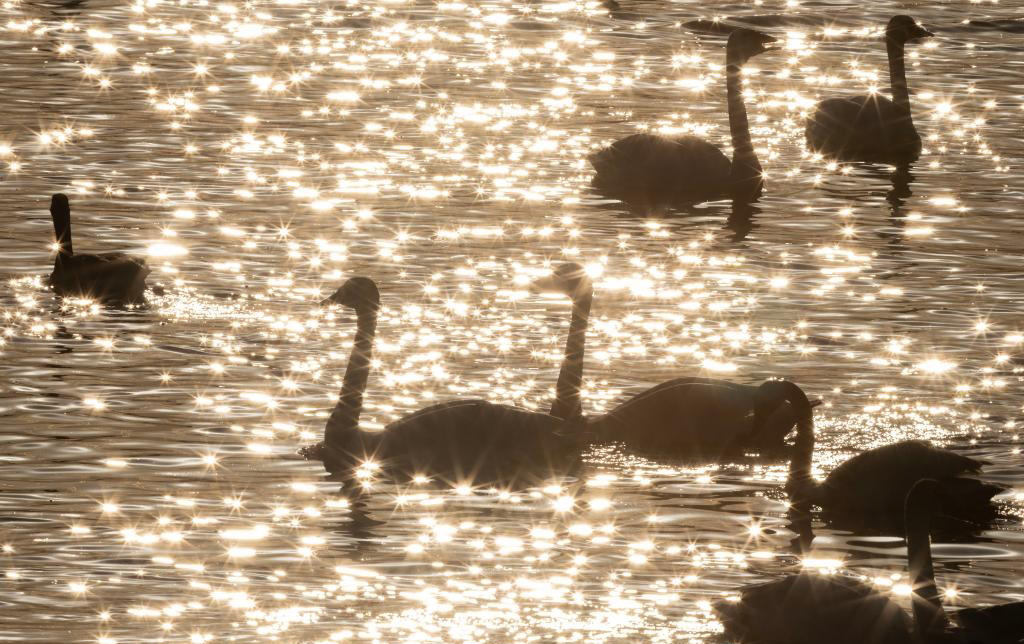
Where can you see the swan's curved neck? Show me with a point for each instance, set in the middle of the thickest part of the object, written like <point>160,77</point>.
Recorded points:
<point>928,614</point>
<point>801,484</point>
<point>568,405</point>
<point>345,415</point>
<point>745,175</point>
<point>898,74</point>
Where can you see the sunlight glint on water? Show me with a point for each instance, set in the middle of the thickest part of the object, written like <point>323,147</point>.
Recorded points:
<point>260,153</point>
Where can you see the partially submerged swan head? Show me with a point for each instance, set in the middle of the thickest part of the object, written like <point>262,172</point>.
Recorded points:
<point>924,499</point>
<point>571,279</point>
<point>772,419</point>
<point>745,43</point>
<point>358,293</point>
<point>903,29</point>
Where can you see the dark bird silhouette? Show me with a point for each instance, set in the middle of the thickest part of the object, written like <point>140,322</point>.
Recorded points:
<point>872,128</point>
<point>113,278</point>
<point>869,489</point>
<point>472,441</point>
<point>809,608</point>
<point>651,172</point>
<point>706,419</point>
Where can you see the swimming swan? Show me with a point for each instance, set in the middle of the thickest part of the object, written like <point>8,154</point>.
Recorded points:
<point>706,419</point>
<point>114,278</point>
<point>872,128</point>
<point>869,489</point>
<point>472,441</point>
<point>810,608</point>
<point>654,171</point>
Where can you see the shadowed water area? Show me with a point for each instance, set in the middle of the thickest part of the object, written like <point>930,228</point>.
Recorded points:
<point>261,153</point>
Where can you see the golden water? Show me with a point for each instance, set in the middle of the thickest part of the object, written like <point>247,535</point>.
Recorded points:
<point>260,153</point>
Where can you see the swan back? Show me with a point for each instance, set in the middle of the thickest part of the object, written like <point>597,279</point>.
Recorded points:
<point>809,608</point>
<point>869,490</point>
<point>476,441</point>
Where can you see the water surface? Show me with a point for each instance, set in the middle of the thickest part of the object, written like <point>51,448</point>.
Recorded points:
<point>260,153</point>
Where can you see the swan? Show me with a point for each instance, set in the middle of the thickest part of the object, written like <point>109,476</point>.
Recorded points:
<point>872,128</point>
<point>115,278</point>
<point>809,608</point>
<point>705,418</point>
<point>654,171</point>
<point>463,440</point>
<point>869,489</point>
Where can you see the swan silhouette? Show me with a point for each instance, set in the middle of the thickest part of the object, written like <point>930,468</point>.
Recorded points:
<point>809,608</point>
<point>872,128</point>
<point>869,489</point>
<point>705,418</point>
<point>113,278</point>
<point>463,440</point>
<point>652,172</point>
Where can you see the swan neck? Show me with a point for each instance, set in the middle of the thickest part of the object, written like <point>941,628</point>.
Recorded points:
<point>745,174</point>
<point>927,606</point>
<point>568,403</point>
<point>898,74</point>
<point>345,416</point>
<point>801,484</point>
<point>62,233</point>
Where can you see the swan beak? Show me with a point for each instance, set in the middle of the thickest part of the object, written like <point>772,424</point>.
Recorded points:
<point>326,302</point>
<point>924,33</point>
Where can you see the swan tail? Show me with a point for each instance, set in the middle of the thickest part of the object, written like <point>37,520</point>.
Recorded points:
<point>334,460</point>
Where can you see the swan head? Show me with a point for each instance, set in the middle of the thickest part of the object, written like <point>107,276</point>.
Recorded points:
<point>746,43</point>
<point>359,293</point>
<point>773,420</point>
<point>571,279</point>
<point>59,205</point>
<point>903,29</point>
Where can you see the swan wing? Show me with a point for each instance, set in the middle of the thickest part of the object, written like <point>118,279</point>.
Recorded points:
<point>688,417</point>
<point>878,480</point>
<point>863,128</point>
<point>478,441</point>
<point>111,276</point>
<point>811,609</point>
<point>661,170</point>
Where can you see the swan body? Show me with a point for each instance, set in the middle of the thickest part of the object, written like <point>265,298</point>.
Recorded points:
<point>113,278</point>
<point>651,172</point>
<point>474,441</point>
<point>872,128</point>
<point>869,489</point>
<point>705,418</point>
<point>808,608</point>
<point>463,441</point>
<point>877,480</point>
